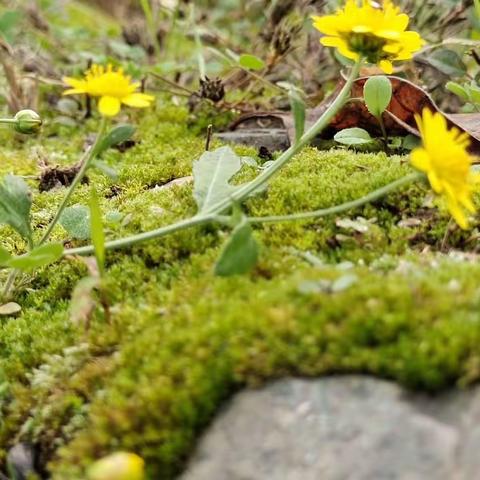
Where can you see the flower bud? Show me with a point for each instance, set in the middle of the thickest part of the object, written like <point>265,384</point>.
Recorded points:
<point>118,466</point>
<point>27,121</point>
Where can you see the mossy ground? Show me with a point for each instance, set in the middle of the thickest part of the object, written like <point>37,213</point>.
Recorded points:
<point>181,340</point>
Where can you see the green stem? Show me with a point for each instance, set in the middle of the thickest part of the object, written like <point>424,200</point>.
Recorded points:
<point>371,197</point>
<point>384,133</point>
<point>141,237</point>
<point>242,193</point>
<point>203,219</point>
<point>202,70</point>
<point>77,180</point>
<point>245,191</point>
<point>8,120</point>
<point>147,12</point>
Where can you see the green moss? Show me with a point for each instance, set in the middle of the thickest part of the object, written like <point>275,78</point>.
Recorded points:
<point>181,340</point>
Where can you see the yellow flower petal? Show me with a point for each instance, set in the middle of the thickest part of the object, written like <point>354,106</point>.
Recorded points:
<point>139,100</point>
<point>376,33</point>
<point>434,181</point>
<point>458,215</point>
<point>420,159</point>
<point>75,83</point>
<point>386,66</point>
<point>112,86</point>
<point>445,160</point>
<point>361,29</point>
<point>73,91</point>
<point>109,106</point>
<point>333,42</point>
<point>392,48</point>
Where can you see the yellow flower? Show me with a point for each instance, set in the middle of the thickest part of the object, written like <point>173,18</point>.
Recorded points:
<point>118,466</point>
<point>377,34</point>
<point>445,160</point>
<point>112,86</point>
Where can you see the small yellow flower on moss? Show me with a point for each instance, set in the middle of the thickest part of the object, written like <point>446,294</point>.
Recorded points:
<point>118,466</point>
<point>378,34</point>
<point>113,87</point>
<point>447,163</point>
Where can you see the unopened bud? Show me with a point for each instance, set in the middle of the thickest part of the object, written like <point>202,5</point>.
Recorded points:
<point>118,466</point>
<point>27,121</point>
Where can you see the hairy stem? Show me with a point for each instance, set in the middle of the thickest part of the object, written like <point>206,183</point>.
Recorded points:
<point>203,219</point>
<point>141,237</point>
<point>370,197</point>
<point>76,181</point>
<point>244,192</point>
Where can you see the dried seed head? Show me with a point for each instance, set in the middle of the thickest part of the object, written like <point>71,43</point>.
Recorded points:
<point>214,89</point>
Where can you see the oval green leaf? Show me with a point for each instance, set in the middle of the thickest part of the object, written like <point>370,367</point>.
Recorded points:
<point>457,89</point>
<point>353,136</point>
<point>117,135</point>
<point>377,94</point>
<point>251,62</point>
<point>240,253</point>
<point>37,258</point>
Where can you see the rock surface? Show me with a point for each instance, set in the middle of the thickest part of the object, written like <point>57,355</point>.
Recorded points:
<point>341,428</point>
<point>274,139</point>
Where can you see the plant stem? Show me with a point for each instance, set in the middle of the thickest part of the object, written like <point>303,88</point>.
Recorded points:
<point>8,120</point>
<point>141,237</point>
<point>202,71</point>
<point>384,133</point>
<point>370,197</point>
<point>241,193</point>
<point>77,180</point>
<point>245,191</point>
<point>203,219</point>
<point>8,285</point>
<point>149,18</point>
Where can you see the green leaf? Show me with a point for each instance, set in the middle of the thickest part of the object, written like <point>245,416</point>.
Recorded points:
<point>477,8</point>
<point>240,253</point>
<point>107,170</point>
<point>76,221</point>
<point>15,204</point>
<point>117,135</point>
<point>448,62</point>
<point>212,173</point>
<point>474,94</point>
<point>298,110</point>
<point>353,136</point>
<point>8,21</point>
<point>251,62</point>
<point>410,142</point>
<point>4,256</point>
<point>37,258</point>
<point>458,90</point>
<point>96,229</point>
<point>377,94</point>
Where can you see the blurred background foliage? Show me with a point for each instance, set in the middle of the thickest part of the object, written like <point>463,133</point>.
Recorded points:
<point>41,40</point>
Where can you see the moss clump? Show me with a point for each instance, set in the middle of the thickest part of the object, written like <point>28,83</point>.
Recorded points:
<point>181,340</point>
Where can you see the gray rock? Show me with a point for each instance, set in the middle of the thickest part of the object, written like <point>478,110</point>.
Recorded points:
<point>275,139</point>
<point>20,461</point>
<point>341,428</point>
